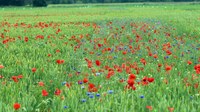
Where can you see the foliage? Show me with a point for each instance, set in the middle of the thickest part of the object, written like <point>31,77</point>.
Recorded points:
<point>39,3</point>
<point>12,2</point>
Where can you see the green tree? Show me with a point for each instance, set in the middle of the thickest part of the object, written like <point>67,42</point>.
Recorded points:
<point>55,1</point>
<point>12,2</point>
<point>100,1</point>
<point>4,2</point>
<point>17,2</point>
<point>39,3</point>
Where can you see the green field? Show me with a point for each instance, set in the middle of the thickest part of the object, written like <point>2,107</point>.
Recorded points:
<point>149,56</point>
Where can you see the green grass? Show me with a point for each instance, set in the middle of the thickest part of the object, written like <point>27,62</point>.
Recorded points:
<point>19,57</point>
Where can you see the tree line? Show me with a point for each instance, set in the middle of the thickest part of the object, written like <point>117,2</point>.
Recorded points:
<point>45,2</point>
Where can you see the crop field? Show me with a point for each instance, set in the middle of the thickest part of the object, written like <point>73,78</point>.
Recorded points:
<point>100,58</point>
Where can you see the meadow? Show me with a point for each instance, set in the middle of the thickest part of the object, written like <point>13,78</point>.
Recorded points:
<point>142,57</point>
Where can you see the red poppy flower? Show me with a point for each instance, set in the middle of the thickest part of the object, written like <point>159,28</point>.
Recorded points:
<point>196,85</point>
<point>197,68</point>
<point>26,39</point>
<point>49,55</point>
<point>132,76</point>
<point>110,73</point>
<point>124,52</point>
<point>150,54</point>
<point>44,93</point>
<point>16,106</point>
<point>133,87</point>
<point>59,30</point>
<point>15,78</point>
<point>168,68</point>
<point>34,69</point>
<point>128,70</point>
<point>89,64</point>
<point>119,70</point>
<point>57,92</point>
<point>151,79</point>
<point>60,61</point>
<point>168,52</point>
<point>121,80</point>
<point>100,45</point>
<point>149,107</point>
<point>109,49</point>
<point>98,63</point>
<point>1,77</point>
<point>57,51</point>
<point>5,41</point>
<point>145,79</point>
<point>90,85</point>
<point>189,62</point>
<point>1,66</point>
<point>85,80</point>
<point>159,65</point>
<point>20,76</point>
<point>144,83</point>
<point>170,109</point>
<point>130,82</point>
<point>41,83</point>
<point>155,56</point>
<point>68,85</point>
<point>92,88</point>
<point>143,61</point>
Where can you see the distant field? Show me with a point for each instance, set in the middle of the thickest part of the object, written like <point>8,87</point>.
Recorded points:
<point>100,58</point>
<point>186,14</point>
